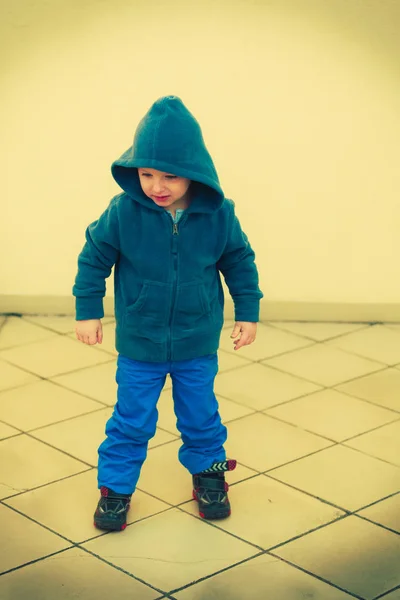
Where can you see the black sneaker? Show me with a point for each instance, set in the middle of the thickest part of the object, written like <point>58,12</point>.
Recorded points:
<point>211,490</point>
<point>111,510</point>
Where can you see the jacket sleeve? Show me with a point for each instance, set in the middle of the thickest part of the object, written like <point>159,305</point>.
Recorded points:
<point>240,272</point>
<point>95,262</point>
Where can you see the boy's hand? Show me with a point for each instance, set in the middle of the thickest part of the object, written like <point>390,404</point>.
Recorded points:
<point>89,332</point>
<point>246,331</point>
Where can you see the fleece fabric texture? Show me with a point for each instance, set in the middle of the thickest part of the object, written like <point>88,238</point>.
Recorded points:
<point>169,298</point>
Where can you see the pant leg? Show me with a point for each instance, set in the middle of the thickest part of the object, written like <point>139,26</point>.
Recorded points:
<point>196,409</point>
<point>132,424</point>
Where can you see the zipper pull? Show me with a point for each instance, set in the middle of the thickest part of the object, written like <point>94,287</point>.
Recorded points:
<point>175,230</point>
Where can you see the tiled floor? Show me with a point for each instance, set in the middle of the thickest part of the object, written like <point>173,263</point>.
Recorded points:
<point>313,412</point>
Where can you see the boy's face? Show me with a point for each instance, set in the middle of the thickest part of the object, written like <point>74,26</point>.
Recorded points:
<point>165,189</point>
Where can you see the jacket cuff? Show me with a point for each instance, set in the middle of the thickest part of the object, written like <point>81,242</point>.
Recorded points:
<point>89,308</point>
<point>249,313</point>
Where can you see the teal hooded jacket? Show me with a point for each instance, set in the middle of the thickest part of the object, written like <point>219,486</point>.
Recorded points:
<point>169,299</point>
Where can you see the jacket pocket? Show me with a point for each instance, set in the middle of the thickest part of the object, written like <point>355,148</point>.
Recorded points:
<point>191,304</point>
<point>151,307</point>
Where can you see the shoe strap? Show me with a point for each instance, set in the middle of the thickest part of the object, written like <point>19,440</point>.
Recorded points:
<point>111,495</point>
<point>209,483</point>
<point>221,467</point>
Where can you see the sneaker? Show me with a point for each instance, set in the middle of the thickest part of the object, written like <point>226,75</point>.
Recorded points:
<point>210,490</point>
<point>111,510</point>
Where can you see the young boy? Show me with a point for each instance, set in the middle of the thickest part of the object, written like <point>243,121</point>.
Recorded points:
<point>169,234</point>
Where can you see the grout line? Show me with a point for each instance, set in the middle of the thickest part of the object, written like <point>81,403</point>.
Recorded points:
<point>277,355</point>
<point>385,527</point>
<point>386,462</point>
<point>366,400</point>
<point>381,426</point>
<point>2,323</point>
<point>64,387</point>
<point>352,594</point>
<point>39,524</point>
<point>306,533</point>
<point>36,560</point>
<point>376,502</point>
<point>66,420</point>
<point>215,526</point>
<point>104,532</point>
<point>257,473</point>
<point>84,462</point>
<point>323,500</point>
<point>237,564</point>
<point>38,487</point>
<point>48,377</point>
<point>64,373</point>
<point>101,558</point>
<point>387,593</point>
<point>280,420</point>
<point>289,462</point>
<point>323,386</point>
<point>348,513</point>
<point>333,337</point>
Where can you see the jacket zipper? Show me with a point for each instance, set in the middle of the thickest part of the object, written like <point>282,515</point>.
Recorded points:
<point>175,232</point>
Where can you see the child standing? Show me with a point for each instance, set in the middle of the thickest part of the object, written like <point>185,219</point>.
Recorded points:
<point>169,234</point>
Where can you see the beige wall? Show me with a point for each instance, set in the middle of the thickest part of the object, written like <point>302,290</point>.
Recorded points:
<point>299,104</point>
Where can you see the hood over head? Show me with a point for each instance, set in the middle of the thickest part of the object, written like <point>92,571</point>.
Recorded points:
<point>169,139</point>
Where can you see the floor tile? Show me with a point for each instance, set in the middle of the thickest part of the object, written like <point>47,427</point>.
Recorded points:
<point>324,365</point>
<point>269,342</point>
<point>41,403</point>
<point>71,575</point>
<point>378,343</point>
<point>23,541</point>
<point>96,382</point>
<point>395,326</point>
<point>54,356</point>
<point>386,512</point>
<point>262,443</point>
<point>229,323</point>
<point>163,476</point>
<point>332,414</point>
<point>11,376</point>
<point>59,324</point>
<point>259,386</point>
<point>171,549</point>
<point>67,506</point>
<point>167,419</point>
<point>82,436</point>
<point>26,463</point>
<point>318,331</point>
<point>365,560</point>
<point>228,361</point>
<point>262,577</point>
<point>380,388</point>
<point>287,513</point>
<point>17,332</point>
<point>7,431</point>
<point>343,476</point>
<point>382,443</point>
<point>393,595</point>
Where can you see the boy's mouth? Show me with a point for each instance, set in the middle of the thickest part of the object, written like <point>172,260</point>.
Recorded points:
<point>160,197</point>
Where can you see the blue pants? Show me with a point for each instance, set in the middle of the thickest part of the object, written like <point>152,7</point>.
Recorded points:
<point>133,422</point>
